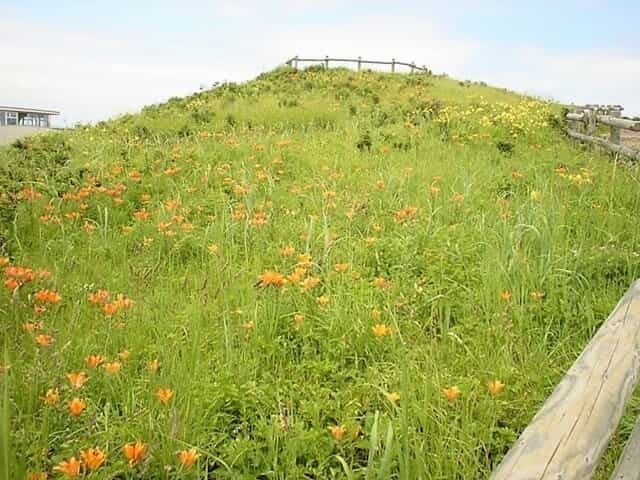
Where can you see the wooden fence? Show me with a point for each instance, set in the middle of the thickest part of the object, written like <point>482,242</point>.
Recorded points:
<point>583,122</point>
<point>567,437</point>
<point>293,62</point>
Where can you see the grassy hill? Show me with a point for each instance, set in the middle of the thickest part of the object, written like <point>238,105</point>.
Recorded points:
<point>316,274</point>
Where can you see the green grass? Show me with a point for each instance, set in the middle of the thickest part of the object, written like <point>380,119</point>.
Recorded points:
<point>332,162</point>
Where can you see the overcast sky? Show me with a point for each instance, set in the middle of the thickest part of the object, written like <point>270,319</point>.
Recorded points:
<point>95,59</point>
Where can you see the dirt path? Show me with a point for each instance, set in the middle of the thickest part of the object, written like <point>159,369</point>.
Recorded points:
<point>631,139</point>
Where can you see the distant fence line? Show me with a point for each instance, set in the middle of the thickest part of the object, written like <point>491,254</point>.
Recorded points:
<point>293,62</point>
<point>584,120</point>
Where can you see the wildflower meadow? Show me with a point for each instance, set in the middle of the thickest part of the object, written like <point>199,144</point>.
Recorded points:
<point>316,274</point>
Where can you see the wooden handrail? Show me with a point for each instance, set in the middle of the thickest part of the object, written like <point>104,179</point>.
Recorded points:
<point>567,437</point>
<point>582,126</point>
<point>359,61</point>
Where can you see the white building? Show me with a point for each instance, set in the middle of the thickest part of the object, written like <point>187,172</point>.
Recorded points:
<point>25,117</point>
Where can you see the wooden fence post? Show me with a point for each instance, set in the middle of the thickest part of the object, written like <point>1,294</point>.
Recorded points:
<point>326,62</point>
<point>614,135</point>
<point>295,62</point>
<point>413,65</point>
<point>359,63</point>
<point>393,65</point>
<point>590,118</point>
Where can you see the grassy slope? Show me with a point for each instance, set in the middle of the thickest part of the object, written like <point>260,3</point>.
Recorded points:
<point>256,390</point>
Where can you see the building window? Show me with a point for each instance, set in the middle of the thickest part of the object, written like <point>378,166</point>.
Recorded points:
<point>12,118</point>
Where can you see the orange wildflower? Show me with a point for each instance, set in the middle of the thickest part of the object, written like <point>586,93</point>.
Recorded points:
<point>44,340</point>
<point>288,251</point>
<point>299,319</point>
<point>4,261</point>
<point>341,267</point>
<point>337,432</point>
<point>495,387</point>
<point>380,282</point>
<point>70,468</point>
<point>77,380</point>
<point>47,296</point>
<point>271,278</point>
<point>134,452</point>
<point>94,361</point>
<point>188,457</point>
<point>11,283</point>
<point>38,476</point>
<point>44,274</point>
<point>93,458</point>
<point>297,275</point>
<point>110,309</point>
<point>32,326</point>
<point>112,367</point>
<point>39,309</point>
<point>77,406</point>
<point>505,295</point>
<point>124,355</point>
<point>451,393</point>
<point>164,395</point>
<point>99,297</point>
<point>51,397</point>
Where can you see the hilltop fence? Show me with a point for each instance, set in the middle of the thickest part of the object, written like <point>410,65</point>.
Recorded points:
<point>293,62</point>
<point>583,123</point>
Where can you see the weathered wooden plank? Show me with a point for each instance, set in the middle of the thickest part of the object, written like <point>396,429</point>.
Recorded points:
<point>575,116</point>
<point>567,437</point>
<point>629,464</point>
<point>619,122</point>
<point>621,149</point>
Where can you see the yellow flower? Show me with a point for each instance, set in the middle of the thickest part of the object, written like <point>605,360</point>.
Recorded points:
<point>322,300</point>
<point>381,330</point>
<point>394,397</point>
<point>51,397</point>
<point>495,387</point>
<point>309,283</point>
<point>451,393</point>
<point>153,365</point>
<point>94,361</point>
<point>537,296</point>
<point>337,432</point>
<point>505,295</point>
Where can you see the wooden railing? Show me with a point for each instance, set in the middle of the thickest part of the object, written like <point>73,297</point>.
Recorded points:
<point>583,122</point>
<point>293,62</point>
<point>567,437</point>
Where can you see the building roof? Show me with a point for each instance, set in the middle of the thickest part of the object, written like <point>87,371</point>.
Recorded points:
<point>28,110</point>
